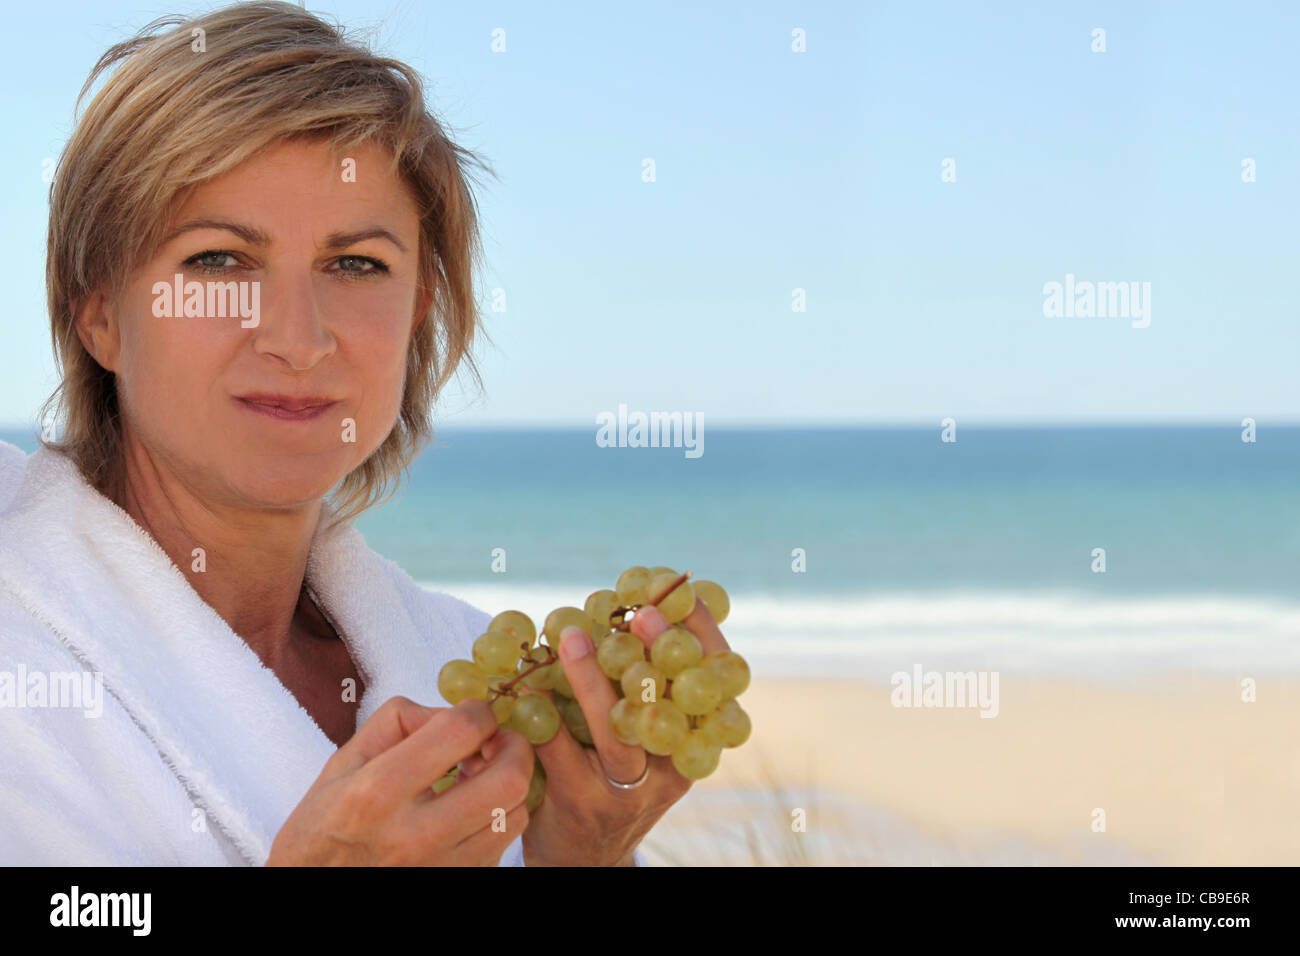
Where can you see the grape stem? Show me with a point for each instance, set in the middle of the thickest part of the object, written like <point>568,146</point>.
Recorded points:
<point>508,687</point>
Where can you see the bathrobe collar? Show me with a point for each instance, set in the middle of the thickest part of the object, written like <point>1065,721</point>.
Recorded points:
<point>237,738</point>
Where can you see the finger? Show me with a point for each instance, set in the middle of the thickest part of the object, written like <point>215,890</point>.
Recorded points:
<point>491,747</point>
<point>469,767</point>
<point>562,757</point>
<point>455,734</point>
<point>700,623</point>
<point>490,843</point>
<point>648,623</point>
<point>596,697</point>
<point>474,804</point>
<point>393,722</point>
<point>497,742</point>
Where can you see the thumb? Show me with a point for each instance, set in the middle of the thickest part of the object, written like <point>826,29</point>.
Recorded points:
<point>393,722</point>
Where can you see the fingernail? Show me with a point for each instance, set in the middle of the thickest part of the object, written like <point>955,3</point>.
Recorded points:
<point>652,619</point>
<point>574,643</point>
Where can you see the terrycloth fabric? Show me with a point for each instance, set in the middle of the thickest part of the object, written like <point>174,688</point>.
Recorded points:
<point>200,753</point>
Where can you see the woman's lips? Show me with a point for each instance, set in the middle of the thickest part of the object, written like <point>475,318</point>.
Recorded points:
<point>287,414</point>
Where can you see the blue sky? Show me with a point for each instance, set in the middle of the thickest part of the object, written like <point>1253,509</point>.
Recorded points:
<point>819,171</point>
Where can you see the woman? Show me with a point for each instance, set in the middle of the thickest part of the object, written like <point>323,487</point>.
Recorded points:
<point>259,277</point>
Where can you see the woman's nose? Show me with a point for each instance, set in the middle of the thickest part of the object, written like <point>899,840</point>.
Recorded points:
<point>291,325</point>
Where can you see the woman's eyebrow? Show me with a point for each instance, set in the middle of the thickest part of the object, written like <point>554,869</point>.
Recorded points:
<point>250,234</point>
<point>341,240</point>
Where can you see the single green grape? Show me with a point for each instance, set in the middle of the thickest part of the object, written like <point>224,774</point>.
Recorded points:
<point>697,691</point>
<point>536,789</point>
<point>575,720</point>
<point>622,720</point>
<point>675,650</point>
<point>696,756</point>
<point>618,652</point>
<point>714,598</point>
<point>563,617</point>
<point>541,679</point>
<point>599,606</point>
<point>462,680</point>
<point>635,687</point>
<point>517,624</point>
<point>731,669</point>
<point>661,727</point>
<point>631,586</point>
<point>497,652</point>
<point>536,718</point>
<point>678,603</point>
<point>728,726</point>
<point>660,569</point>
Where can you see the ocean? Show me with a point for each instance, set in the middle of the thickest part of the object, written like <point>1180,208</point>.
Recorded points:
<point>861,551</point>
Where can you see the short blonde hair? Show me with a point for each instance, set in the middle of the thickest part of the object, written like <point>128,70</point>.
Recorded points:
<point>170,117</point>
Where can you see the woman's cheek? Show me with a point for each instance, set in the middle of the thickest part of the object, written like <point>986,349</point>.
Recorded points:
<point>378,336</point>
<point>163,372</point>
<point>154,373</point>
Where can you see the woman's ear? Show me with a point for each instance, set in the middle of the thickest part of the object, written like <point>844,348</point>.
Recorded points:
<point>98,331</point>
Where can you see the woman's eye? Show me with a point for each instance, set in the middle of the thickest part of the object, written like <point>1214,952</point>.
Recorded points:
<point>359,265</point>
<point>211,260</point>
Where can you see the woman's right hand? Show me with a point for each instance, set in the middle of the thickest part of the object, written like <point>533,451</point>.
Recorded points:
<point>373,805</point>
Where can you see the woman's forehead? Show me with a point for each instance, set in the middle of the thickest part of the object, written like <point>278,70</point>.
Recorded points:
<point>359,171</point>
<point>303,185</point>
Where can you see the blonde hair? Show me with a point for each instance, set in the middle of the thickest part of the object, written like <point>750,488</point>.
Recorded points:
<point>170,117</point>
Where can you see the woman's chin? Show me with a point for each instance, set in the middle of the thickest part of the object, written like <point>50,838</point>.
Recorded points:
<point>287,486</point>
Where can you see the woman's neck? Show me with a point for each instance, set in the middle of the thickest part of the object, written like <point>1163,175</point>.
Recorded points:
<point>248,565</point>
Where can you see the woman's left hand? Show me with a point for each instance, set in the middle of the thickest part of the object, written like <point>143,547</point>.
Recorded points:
<point>584,821</point>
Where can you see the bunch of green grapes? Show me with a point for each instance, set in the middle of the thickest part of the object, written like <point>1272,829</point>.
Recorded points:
<point>672,700</point>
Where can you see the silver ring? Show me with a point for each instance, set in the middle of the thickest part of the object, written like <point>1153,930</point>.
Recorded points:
<point>633,785</point>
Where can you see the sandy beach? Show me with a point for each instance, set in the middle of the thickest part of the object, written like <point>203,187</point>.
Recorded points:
<point>1184,770</point>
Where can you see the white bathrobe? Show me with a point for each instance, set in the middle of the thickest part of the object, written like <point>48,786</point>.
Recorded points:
<point>200,753</point>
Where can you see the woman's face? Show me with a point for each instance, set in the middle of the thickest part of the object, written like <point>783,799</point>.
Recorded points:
<point>335,262</point>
